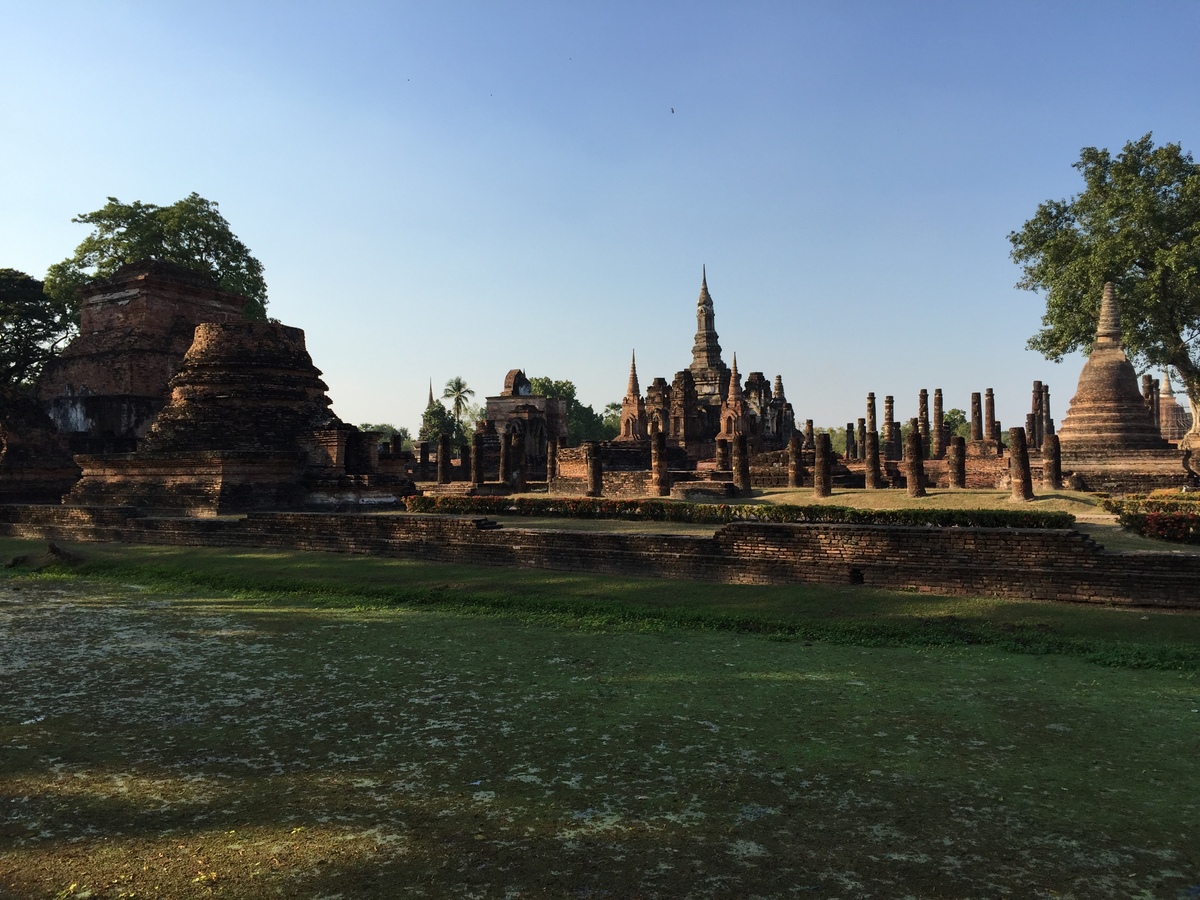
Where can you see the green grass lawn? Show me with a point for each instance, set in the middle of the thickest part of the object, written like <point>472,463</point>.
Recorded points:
<point>199,722</point>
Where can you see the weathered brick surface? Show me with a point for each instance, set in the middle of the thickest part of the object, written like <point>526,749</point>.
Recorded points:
<point>1041,564</point>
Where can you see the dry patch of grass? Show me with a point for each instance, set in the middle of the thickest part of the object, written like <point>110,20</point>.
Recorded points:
<point>172,743</point>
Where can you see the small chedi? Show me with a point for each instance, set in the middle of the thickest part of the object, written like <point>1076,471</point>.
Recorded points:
<point>1112,435</point>
<point>104,390</point>
<point>248,426</point>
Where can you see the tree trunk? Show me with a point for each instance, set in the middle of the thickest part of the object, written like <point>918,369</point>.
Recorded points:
<point>1189,374</point>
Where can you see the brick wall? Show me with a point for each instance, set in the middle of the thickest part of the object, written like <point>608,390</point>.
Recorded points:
<point>1044,564</point>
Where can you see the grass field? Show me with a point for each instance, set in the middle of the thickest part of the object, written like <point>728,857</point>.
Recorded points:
<point>198,723</point>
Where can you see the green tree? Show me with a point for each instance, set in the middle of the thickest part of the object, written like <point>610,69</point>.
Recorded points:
<point>436,420</point>
<point>957,423</point>
<point>459,396</point>
<point>33,326</point>
<point>191,232</point>
<point>1137,224</point>
<point>583,423</point>
<point>611,418</point>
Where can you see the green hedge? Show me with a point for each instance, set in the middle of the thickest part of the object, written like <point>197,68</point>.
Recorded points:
<point>1173,517</point>
<point>721,514</point>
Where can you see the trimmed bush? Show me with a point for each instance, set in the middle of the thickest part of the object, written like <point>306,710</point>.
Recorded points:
<point>722,514</point>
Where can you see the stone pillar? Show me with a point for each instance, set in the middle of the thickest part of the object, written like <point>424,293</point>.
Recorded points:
<point>1035,433</point>
<point>595,469</point>
<point>504,476</point>
<point>808,434</point>
<point>423,459</point>
<point>1051,463</point>
<point>872,424</point>
<point>1047,419</point>
<point>872,474</point>
<point>551,458</point>
<point>722,462</point>
<point>822,476</point>
<point>741,465</point>
<point>477,458</point>
<point>915,456</point>
<point>851,444</point>
<point>862,439</point>
<point>1018,466</point>
<point>891,443</point>
<point>1031,427</point>
<point>956,462</point>
<point>991,428</point>
<point>443,460</point>
<point>976,417</point>
<point>937,440</point>
<point>923,419</point>
<point>1148,392</point>
<point>520,463</point>
<point>795,462</point>
<point>660,478</point>
<point>464,463</point>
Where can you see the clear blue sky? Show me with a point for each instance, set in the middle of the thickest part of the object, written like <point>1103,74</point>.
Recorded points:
<point>442,189</point>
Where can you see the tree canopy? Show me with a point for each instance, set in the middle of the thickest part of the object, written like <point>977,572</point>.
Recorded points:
<point>33,326</point>
<point>191,232</point>
<point>1136,223</point>
<point>583,422</point>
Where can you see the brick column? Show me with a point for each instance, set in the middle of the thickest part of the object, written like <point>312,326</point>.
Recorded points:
<point>477,458</point>
<point>741,465</point>
<point>595,469</point>
<point>1018,466</point>
<point>795,463</point>
<point>1051,463</point>
<point>937,446</point>
<point>872,473</point>
<point>956,462</point>
<point>443,460</point>
<point>659,476</point>
<point>822,477</point>
<point>915,460</point>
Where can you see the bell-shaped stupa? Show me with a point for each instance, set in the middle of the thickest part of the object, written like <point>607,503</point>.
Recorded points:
<point>1108,413</point>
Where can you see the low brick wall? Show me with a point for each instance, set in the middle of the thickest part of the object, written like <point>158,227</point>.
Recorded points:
<point>1044,564</point>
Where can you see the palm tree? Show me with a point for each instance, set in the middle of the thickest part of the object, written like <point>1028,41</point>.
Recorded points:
<point>459,396</point>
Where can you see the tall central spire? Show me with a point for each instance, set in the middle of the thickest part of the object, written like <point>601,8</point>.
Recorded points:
<point>706,352</point>
<point>633,389</point>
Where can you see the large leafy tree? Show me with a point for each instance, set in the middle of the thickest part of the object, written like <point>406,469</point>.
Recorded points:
<point>33,326</point>
<point>583,422</point>
<point>191,232</point>
<point>1136,223</point>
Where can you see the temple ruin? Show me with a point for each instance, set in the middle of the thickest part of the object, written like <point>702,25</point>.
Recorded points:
<point>104,390</point>
<point>248,426</point>
<point>707,401</point>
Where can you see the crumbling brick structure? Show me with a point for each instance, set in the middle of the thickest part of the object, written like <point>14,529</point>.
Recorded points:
<point>248,426</point>
<point>104,390</point>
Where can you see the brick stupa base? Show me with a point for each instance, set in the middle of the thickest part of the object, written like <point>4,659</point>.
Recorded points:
<point>248,427</point>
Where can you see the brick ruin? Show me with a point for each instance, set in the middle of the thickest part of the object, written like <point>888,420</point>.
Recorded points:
<point>707,401</point>
<point>248,426</point>
<point>1112,436</point>
<point>104,390</point>
<point>170,401</point>
<point>36,465</point>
